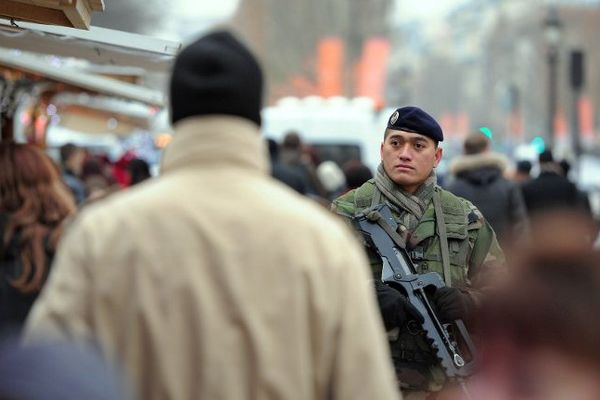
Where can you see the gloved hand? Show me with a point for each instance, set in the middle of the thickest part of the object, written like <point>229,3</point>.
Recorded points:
<point>452,304</point>
<point>395,308</point>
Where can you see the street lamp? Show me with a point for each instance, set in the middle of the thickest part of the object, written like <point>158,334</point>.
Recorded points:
<point>553,33</point>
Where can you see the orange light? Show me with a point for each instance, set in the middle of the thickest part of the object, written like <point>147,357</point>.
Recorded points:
<point>25,119</point>
<point>40,128</point>
<point>330,60</point>
<point>162,140</point>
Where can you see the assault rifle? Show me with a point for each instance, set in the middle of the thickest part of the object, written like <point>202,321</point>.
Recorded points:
<point>378,228</point>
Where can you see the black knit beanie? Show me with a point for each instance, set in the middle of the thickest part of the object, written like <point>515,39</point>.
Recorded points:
<point>216,75</point>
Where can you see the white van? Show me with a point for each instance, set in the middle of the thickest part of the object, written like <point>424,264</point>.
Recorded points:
<point>339,129</point>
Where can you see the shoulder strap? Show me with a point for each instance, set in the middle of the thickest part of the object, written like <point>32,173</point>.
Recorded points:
<point>376,200</point>
<point>441,230</point>
<point>365,196</point>
<point>376,217</point>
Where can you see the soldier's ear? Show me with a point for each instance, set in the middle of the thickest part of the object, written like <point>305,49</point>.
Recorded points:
<point>438,156</point>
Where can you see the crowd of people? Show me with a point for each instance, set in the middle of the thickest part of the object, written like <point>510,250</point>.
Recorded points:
<point>92,176</point>
<point>237,272</point>
<point>297,165</point>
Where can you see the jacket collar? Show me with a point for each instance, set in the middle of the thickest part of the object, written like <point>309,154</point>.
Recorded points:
<point>216,140</point>
<point>550,168</point>
<point>476,161</point>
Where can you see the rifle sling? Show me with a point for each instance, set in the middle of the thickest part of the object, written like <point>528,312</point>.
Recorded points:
<point>376,217</point>
<point>400,242</point>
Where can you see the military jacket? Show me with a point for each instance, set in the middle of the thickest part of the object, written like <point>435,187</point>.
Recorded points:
<point>475,258</point>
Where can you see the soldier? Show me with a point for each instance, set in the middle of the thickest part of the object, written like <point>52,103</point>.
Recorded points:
<point>444,233</point>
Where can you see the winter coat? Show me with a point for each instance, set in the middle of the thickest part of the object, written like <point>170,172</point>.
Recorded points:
<point>215,281</point>
<point>479,179</point>
<point>14,304</point>
<point>551,191</point>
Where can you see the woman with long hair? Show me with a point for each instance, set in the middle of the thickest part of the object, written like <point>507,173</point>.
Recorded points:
<point>33,204</point>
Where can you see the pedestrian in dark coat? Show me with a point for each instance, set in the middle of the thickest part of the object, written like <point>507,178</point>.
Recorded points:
<point>284,173</point>
<point>550,191</point>
<point>479,178</point>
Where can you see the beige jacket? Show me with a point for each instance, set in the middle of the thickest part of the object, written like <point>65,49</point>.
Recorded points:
<point>216,282</point>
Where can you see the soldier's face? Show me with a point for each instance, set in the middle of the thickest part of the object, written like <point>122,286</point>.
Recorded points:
<point>408,158</point>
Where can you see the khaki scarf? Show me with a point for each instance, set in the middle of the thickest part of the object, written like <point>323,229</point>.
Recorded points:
<point>410,207</point>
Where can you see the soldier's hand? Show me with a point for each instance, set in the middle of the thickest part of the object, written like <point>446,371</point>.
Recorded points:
<point>452,304</point>
<point>395,308</point>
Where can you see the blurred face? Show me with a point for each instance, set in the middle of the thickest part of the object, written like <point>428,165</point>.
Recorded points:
<point>76,160</point>
<point>538,374</point>
<point>408,158</point>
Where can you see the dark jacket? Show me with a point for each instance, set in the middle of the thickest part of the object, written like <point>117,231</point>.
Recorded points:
<point>14,305</point>
<point>289,176</point>
<point>479,179</point>
<point>551,191</point>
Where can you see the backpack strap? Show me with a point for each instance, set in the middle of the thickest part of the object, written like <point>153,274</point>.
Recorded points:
<point>441,230</point>
<point>366,195</point>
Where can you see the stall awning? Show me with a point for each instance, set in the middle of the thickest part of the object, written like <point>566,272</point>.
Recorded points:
<point>97,45</point>
<point>72,13</point>
<point>111,87</point>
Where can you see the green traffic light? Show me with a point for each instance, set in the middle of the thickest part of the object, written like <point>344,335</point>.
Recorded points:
<point>538,144</point>
<point>486,131</point>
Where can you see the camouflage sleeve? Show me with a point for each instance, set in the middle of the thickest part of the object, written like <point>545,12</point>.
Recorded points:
<point>344,207</point>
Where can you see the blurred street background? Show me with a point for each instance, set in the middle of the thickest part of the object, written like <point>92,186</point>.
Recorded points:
<point>523,70</point>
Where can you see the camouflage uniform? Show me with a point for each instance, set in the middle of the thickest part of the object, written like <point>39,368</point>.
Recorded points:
<point>474,254</point>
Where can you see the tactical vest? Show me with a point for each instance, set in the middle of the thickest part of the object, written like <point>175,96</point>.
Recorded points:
<point>416,366</point>
<point>461,221</point>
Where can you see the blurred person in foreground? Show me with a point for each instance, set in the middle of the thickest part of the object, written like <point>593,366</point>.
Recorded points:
<point>479,178</point>
<point>57,371</point>
<point>214,281</point>
<point>443,233</point>
<point>34,202</point>
<point>540,331</point>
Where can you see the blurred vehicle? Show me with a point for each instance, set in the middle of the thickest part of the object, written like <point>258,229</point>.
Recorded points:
<point>339,129</point>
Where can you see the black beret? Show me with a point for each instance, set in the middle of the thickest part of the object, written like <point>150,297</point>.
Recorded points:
<point>413,119</point>
<point>216,75</point>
